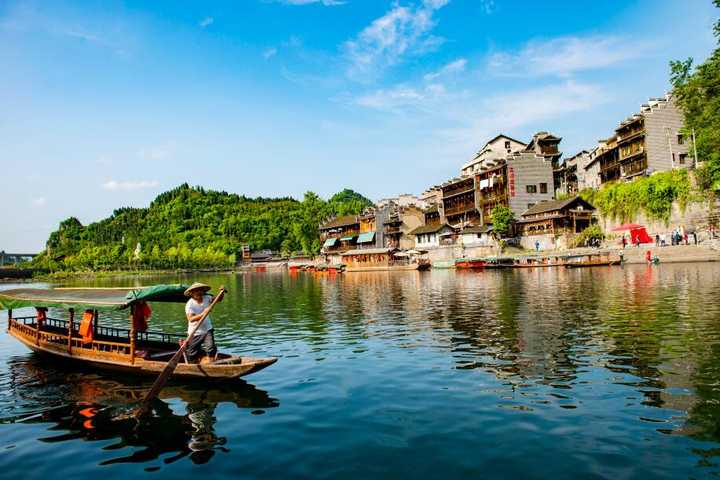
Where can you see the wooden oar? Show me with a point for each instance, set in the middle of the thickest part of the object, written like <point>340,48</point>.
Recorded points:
<point>172,364</point>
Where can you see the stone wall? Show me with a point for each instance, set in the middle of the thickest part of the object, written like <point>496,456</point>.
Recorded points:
<point>698,215</point>
<point>662,125</point>
<point>451,252</point>
<point>529,169</point>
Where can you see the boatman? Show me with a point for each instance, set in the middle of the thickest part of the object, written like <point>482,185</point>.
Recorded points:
<point>203,342</point>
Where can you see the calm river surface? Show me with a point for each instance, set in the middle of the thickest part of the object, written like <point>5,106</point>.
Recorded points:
<point>588,373</point>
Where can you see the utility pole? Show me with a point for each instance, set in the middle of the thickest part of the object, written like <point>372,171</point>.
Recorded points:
<point>694,147</point>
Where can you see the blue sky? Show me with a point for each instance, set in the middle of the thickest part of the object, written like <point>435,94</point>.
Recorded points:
<point>106,104</point>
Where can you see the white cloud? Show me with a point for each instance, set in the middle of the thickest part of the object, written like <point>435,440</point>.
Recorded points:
<point>269,52</point>
<point>566,55</point>
<point>114,185</point>
<point>456,66</point>
<point>404,30</point>
<point>206,22</point>
<point>157,152</point>
<point>39,201</point>
<point>402,97</point>
<point>483,117</point>
<point>109,34</point>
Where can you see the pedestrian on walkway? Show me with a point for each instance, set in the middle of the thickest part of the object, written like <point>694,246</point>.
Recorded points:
<point>624,241</point>
<point>657,240</point>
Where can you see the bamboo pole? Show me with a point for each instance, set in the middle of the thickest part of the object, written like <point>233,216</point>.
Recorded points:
<point>172,364</point>
<point>70,329</point>
<point>9,319</point>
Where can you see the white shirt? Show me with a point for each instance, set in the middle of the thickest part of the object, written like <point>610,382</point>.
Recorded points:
<point>194,308</point>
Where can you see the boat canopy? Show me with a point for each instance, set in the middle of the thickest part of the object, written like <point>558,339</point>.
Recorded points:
<point>90,298</point>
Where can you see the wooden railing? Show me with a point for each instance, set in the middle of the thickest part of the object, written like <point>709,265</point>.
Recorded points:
<point>27,326</point>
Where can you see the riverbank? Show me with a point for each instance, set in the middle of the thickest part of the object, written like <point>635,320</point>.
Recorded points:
<point>89,275</point>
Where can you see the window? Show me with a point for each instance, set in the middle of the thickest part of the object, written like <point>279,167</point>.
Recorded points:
<point>543,188</point>
<point>530,205</point>
<point>531,188</point>
<point>683,158</point>
<point>680,139</point>
<point>507,145</point>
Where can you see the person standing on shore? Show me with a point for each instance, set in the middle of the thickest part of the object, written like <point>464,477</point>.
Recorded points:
<point>657,239</point>
<point>624,241</point>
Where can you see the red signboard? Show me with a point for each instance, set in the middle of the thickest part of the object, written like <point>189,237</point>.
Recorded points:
<point>511,181</point>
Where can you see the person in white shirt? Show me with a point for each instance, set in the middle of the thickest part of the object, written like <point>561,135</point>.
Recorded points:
<point>203,341</point>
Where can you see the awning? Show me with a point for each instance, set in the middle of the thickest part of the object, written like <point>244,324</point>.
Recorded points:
<point>347,239</point>
<point>366,237</point>
<point>330,242</point>
<point>90,298</point>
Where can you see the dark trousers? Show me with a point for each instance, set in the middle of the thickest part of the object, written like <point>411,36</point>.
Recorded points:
<point>202,344</point>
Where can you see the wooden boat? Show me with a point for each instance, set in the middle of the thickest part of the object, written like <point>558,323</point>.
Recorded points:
<point>111,348</point>
<point>381,260</point>
<point>443,264</point>
<point>539,261</point>
<point>599,259</point>
<point>499,262</point>
<point>470,263</point>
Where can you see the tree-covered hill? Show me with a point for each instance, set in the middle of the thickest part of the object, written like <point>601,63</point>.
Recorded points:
<point>190,227</point>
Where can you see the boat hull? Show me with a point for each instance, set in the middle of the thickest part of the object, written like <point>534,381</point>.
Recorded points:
<point>469,264</point>
<point>389,268</point>
<point>139,366</point>
<point>592,264</point>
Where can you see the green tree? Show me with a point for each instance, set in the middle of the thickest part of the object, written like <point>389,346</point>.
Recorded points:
<point>189,227</point>
<point>698,93</point>
<point>502,219</point>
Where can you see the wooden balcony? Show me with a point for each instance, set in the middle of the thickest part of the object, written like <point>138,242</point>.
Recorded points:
<point>459,210</point>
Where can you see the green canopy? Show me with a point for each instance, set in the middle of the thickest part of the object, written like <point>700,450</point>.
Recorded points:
<point>347,239</point>
<point>366,237</point>
<point>330,242</point>
<point>89,298</point>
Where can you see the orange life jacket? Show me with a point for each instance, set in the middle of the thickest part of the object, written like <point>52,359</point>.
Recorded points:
<point>86,327</point>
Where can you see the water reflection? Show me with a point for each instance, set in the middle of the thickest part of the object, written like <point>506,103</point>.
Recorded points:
<point>457,369</point>
<point>92,407</point>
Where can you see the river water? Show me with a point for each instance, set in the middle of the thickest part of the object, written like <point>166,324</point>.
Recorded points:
<point>588,373</point>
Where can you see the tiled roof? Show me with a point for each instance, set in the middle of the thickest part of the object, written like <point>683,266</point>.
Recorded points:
<point>340,222</point>
<point>552,205</point>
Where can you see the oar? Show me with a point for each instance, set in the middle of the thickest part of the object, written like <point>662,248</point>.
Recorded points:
<point>172,364</point>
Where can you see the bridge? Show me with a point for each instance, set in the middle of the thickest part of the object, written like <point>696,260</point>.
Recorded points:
<point>15,258</point>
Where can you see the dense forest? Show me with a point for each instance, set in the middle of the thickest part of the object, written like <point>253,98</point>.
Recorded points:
<point>190,227</point>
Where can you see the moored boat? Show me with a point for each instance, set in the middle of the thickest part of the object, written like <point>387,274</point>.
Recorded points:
<point>443,264</point>
<point>109,348</point>
<point>470,263</point>
<point>381,260</point>
<point>499,262</point>
<point>596,259</point>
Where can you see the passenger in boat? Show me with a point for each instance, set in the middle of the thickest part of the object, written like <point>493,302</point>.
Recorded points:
<point>203,342</point>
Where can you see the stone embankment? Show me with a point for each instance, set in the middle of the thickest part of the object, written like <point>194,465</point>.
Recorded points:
<point>707,252</point>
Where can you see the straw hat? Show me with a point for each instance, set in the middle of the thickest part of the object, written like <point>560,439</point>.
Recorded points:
<point>197,286</point>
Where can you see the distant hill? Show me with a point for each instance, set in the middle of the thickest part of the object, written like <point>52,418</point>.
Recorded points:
<point>190,227</point>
